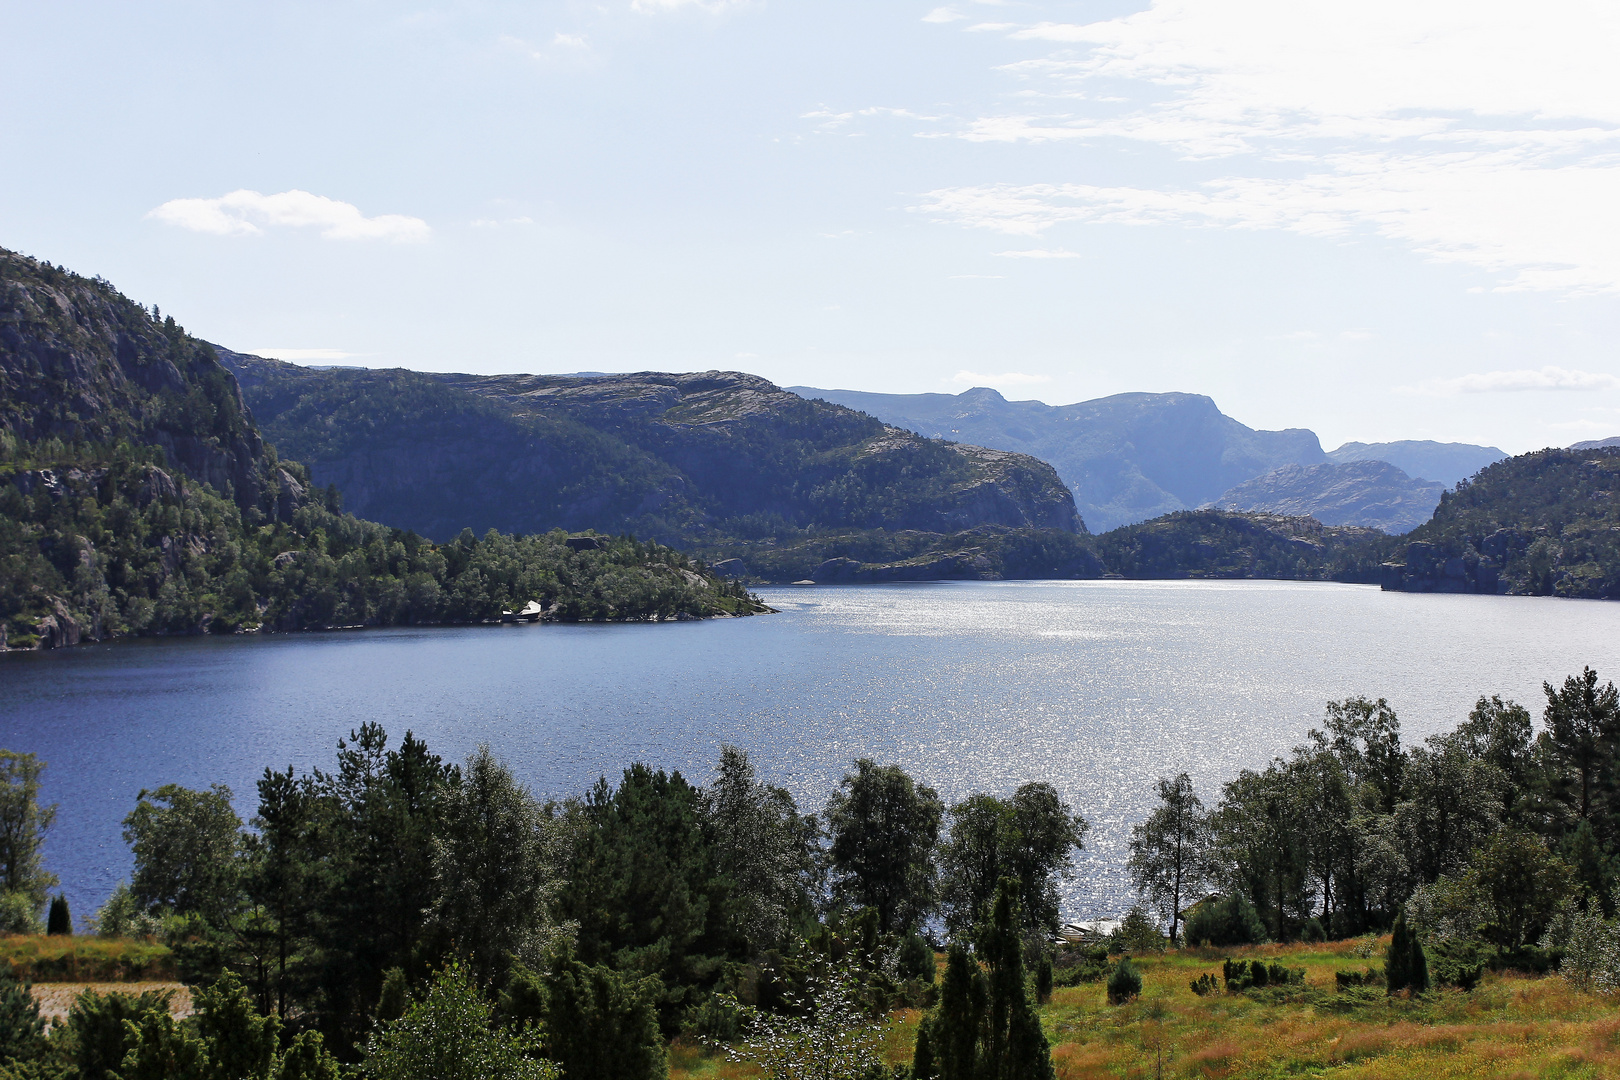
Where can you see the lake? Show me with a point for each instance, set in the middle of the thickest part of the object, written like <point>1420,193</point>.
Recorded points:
<point>1098,687</point>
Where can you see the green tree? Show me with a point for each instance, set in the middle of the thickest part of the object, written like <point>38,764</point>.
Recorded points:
<point>762,847</point>
<point>22,1029</point>
<point>61,919</point>
<point>1405,967</point>
<point>186,845</point>
<point>1583,725</point>
<point>448,1035</point>
<point>601,1025</point>
<point>160,1049</point>
<point>1521,885</point>
<point>1169,854</point>
<point>1366,736</point>
<point>884,828</point>
<point>641,883</point>
<point>104,1028</point>
<point>307,1058</point>
<point>1029,837</point>
<point>985,1025</point>
<point>23,825</point>
<point>494,863</point>
<point>241,1044</point>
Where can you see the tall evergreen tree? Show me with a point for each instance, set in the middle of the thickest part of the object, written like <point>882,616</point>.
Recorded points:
<point>1398,960</point>
<point>985,1027</point>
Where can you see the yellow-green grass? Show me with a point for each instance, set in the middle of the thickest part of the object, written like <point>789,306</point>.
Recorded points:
<point>1510,1026</point>
<point>72,958</point>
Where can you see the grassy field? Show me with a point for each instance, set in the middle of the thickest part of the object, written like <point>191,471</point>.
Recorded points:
<point>71,959</point>
<point>1510,1026</point>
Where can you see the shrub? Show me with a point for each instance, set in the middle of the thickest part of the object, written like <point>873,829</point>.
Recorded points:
<point>916,960</point>
<point>1253,974</point>
<point>1345,980</point>
<point>60,920</point>
<point>1312,931</point>
<point>1137,934</point>
<point>1205,985</point>
<point>1043,980</point>
<point>18,914</point>
<point>122,916</point>
<point>1125,983</point>
<point>1225,920</point>
<point>1073,966</point>
<point>1406,967</point>
<point>1591,951</point>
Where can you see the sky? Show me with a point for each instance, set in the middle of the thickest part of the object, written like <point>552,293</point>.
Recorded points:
<point>1381,220</point>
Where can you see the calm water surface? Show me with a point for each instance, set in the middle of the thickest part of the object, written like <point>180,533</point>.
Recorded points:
<point>1097,687</point>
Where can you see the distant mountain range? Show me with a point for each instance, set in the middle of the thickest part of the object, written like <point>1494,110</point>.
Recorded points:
<point>1594,444</point>
<point>1446,463</point>
<point>1370,493</point>
<point>694,459</point>
<point>1132,457</point>
<point>1127,458</point>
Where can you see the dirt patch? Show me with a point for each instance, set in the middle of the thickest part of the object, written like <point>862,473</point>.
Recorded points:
<point>56,998</point>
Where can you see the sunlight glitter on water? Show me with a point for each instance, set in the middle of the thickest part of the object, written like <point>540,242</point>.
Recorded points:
<point>1097,687</point>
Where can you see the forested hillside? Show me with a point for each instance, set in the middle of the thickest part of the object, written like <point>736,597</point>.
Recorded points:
<point>1227,544</point>
<point>1542,524</point>
<point>696,459</point>
<point>137,497</point>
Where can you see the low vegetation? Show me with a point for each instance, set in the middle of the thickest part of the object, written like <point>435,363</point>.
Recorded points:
<point>1359,905</point>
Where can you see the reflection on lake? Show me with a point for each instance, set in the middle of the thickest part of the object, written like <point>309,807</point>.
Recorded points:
<point>1097,687</point>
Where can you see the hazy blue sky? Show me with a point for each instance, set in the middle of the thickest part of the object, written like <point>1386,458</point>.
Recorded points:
<point>1387,219</point>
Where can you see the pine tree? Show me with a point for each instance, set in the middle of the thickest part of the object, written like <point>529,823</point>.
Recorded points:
<point>986,1028</point>
<point>60,920</point>
<point>1398,963</point>
<point>1417,965</point>
<point>1043,981</point>
<point>922,1059</point>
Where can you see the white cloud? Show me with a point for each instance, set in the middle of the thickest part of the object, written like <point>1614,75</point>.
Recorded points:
<point>1008,378</point>
<point>1541,228</point>
<point>1482,133</point>
<point>1039,253</point>
<point>297,355</point>
<point>1506,382</point>
<point>943,15</point>
<point>249,213</point>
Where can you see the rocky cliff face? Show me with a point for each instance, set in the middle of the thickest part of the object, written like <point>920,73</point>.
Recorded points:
<point>1127,458</point>
<point>1544,524</point>
<point>1373,494</point>
<point>1423,459</point>
<point>690,458</point>
<point>80,363</point>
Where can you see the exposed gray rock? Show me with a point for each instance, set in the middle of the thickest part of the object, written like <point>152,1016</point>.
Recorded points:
<point>730,568</point>
<point>1374,494</point>
<point>1446,463</point>
<point>1127,458</point>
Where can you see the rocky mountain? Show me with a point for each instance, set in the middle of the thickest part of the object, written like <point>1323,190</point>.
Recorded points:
<point>82,364</point>
<point>1374,494</point>
<point>1545,524</point>
<point>700,459</point>
<point>1422,459</point>
<point>137,496</point>
<point>1593,444</point>
<point>1127,458</point>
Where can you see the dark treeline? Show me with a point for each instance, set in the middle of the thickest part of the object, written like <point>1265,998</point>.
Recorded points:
<point>100,541</point>
<point>353,903</point>
<point>1483,837</point>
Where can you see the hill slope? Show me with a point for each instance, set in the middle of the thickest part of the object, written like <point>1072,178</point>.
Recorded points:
<point>1372,494</point>
<point>1446,463</point>
<point>701,458</point>
<point>1127,458</point>
<point>1546,523</point>
<point>137,497</point>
